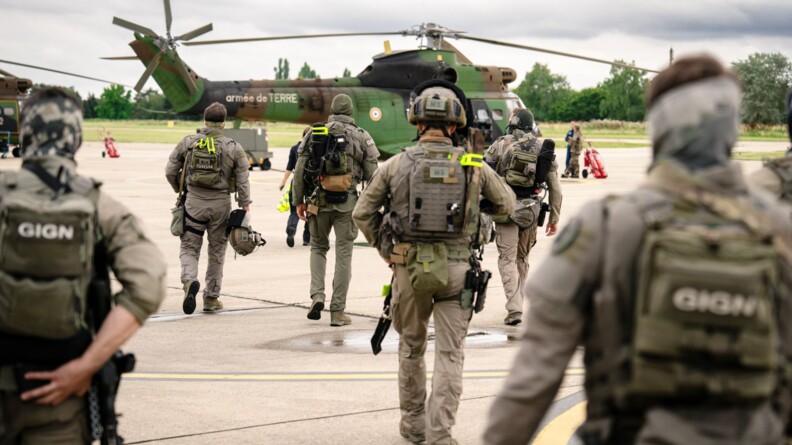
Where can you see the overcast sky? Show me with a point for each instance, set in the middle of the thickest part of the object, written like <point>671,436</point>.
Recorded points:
<point>71,36</point>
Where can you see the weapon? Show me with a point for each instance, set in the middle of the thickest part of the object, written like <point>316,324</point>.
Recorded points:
<point>104,388</point>
<point>384,322</point>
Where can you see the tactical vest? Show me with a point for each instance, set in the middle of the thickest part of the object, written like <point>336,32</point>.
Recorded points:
<point>46,258</point>
<point>330,165</point>
<point>700,321</point>
<point>435,187</point>
<point>205,163</point>
<point>783,168</point>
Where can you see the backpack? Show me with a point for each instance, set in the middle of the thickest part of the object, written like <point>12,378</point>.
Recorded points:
<point>520,164</point>
<point>705,326</point>
<point>46,257</point>
<point>204,163</point>
<point>329,165</point>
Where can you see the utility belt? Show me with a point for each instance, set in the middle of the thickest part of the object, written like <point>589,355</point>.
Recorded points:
<point>23,354</point>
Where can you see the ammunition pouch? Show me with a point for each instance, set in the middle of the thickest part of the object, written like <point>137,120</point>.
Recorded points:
<point>427,265</point>
<point>335,197</point>
<point>336,183</point>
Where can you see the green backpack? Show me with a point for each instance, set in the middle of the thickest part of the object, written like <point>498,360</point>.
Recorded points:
<point>704,324</point>
<point>205,163</point>
<point>521,164</point>
<point>46,258</point>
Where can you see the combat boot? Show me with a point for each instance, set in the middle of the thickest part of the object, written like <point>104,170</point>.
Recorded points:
<point>315,313</point>
<point>190,291</point>
<point>290,238</point>
<point>212,304</point>
<point>513,319</point>
<point>411,436</point>
<point>338,318</point>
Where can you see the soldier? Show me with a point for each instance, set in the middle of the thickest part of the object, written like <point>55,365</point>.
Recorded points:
<point>511,156</point>
<point>679,291</point>
<point>575,147</point>
<point>776,174</point>
<point>332,162</point>
<point>424,239</point>
<point>55,221</point>
<point>291,225</point>
<point>212,167</point>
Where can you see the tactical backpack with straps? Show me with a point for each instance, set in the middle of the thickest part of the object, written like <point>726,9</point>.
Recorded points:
<point>205,162</point>
<point>329,169</point>
<point>46,257</point>
<point>705,325</point>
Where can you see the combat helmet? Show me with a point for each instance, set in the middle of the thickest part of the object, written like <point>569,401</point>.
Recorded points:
<point>243,239</point>
<point>522,120</point>
<point>436,103</point>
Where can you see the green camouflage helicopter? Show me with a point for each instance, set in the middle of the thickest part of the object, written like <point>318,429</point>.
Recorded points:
<point>381,92</point>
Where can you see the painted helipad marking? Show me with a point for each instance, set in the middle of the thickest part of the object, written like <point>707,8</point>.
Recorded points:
<point>303,376</point>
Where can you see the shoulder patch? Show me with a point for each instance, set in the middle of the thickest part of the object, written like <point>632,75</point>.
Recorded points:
<point>567,237</point>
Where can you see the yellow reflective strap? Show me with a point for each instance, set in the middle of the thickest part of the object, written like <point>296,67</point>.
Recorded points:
<point>471,160</point>
<point>211,146</point>
<point>320,130</point>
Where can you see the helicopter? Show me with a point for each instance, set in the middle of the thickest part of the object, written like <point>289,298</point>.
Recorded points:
<point>380,92</point>
<point>13,90</point>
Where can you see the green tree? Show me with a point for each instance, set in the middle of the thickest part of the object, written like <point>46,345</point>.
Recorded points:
<point>541,89</point>
<point>89,106</point>
<point>115,103</point>
<point>151,104</point>
<point>347,73</point>
<point>766,78</point>
<point>625,94</point>
<point>282,70</point>
<point>580,106</point>
<point>306,72</point>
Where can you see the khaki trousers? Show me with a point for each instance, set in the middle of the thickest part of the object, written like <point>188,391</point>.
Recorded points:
<point>212,221</point>
<point>411,311</point>
<point>514,245</point>
<point>574,163</point>
<point>345,233</point>
<point>27,423</point>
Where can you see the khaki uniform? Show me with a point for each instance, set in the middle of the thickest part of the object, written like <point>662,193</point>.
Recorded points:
<point>514,244</point>
<point>137,263</point>
<point>336,217</point>
<point>775,177</point>
<point>207,209</point>
<point>411,309</point>
<point>575,148</point>
<point>583,294</point>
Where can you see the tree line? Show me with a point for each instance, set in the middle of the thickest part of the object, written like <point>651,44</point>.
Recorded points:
<point>766,79</point>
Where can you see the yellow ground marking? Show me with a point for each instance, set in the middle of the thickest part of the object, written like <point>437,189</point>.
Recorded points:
<point>561,429</point>
<point>307,377</point>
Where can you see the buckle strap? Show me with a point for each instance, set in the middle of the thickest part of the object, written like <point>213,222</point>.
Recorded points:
<point>196,221</point>
<point>51,181</point>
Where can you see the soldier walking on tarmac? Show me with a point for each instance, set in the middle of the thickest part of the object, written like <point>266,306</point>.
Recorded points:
<point>775,175</point>
<point>213,167</point>
<point>528,166</point>
<point>61,234</point>
<point>425,236</point>
<point>680,291</point>
<point>333,160</point>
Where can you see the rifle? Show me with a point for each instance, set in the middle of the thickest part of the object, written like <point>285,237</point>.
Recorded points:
<point>385,320</point>
<point>104,387</point>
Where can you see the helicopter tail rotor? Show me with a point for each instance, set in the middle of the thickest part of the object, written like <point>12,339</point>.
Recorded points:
<point>165,46</point>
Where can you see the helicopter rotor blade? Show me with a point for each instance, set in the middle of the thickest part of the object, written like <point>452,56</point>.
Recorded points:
<point>6,73</point>
<point>305,36</point>
<point>194,33</point>
<point>120,58</point>
<point>186,76</point>
<point>152,65</point>
<point>168,16</point>
<point>134,27</point>
<point>62,72</point>
<point>550,51</point>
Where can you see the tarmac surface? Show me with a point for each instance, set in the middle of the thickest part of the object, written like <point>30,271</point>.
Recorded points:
<point>260,372</point>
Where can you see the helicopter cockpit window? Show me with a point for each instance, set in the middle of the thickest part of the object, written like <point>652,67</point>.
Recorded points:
<point>482,115</point>
<point>8,111</point>
<point>497,114</point>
